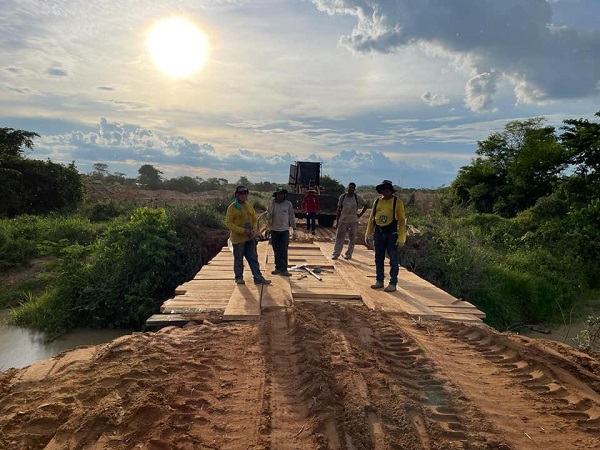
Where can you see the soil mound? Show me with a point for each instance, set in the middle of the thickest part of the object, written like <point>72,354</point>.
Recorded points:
<point>315,376</point>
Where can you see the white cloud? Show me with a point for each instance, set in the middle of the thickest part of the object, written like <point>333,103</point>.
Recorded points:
<point>512,38</point>
<point>480,90</point>
<point>432,99</point>
<point>279,86</point>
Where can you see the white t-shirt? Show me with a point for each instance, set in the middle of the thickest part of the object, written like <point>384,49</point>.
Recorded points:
<point>283,216</point>
<point>350,207</point>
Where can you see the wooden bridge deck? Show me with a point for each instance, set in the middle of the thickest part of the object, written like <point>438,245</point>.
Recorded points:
<point>213,288</point>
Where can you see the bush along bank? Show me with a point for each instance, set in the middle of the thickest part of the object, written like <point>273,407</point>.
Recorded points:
<point>123,276</point>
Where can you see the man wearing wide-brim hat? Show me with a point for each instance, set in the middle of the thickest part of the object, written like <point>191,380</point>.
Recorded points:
<point>387,229</point>
<point>282,218</point>
<point>310,206</point>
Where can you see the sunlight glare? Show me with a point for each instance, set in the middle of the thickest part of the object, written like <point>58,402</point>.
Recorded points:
<point>177,47</point>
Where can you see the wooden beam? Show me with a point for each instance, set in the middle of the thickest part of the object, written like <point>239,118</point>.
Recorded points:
<point>163,320</point>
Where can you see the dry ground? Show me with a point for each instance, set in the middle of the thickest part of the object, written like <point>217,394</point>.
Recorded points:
<point>315,376</point>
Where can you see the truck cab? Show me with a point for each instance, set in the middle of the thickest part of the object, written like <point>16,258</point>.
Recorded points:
<point>305,175</point>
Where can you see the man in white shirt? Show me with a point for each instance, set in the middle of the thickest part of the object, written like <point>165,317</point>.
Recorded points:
<point>347,221</point>
<point>281,217</point>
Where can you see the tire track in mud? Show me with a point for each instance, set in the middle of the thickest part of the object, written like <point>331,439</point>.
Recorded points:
<point>378,388</point>
<point>538,373</point>
<point>553,379</point>
<point>285,410</point>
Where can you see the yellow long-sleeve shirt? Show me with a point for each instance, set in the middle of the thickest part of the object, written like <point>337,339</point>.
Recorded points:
<point>239,220</point>
<point>384,215</point>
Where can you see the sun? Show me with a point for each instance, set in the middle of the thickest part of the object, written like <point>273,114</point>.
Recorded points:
<point>177,47</point>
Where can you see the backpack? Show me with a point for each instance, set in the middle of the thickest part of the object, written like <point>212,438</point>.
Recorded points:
<point>344,197</point>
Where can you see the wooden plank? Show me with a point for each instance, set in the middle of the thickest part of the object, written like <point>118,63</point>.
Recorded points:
<point>419,287</point>
<point>322,294</point>
<point>244,303</point>
<point>278,294</point>
<point>461,318</point>
<point>221,265</point>
<point>214,276</point>
<point>329,300</point>
<point>194,303</point>
<point>206,293</point>
<point>207,285</point>
<point>191,310</point>
<point>401,302</point>
<point>416,293</point>
<point>163,320</point>
<point>309,261</point>
<point>470,311</point>
<point>304,247</point>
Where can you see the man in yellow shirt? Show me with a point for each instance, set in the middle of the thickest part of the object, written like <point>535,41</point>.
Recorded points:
<point>242,223</point>
<point>387,229</point>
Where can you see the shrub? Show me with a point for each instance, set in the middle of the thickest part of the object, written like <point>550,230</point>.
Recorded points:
<point>106,210</point>
<point>118,281</point>
<point>190,224</point>
<point>27,237</point>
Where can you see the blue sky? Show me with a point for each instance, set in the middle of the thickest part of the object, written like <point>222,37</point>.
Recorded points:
<point>374,89</point>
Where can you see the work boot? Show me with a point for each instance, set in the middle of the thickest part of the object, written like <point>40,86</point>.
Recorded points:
<point>348,257</point>
<point>377,285</point>
<point>240,281</point>
<point>276,272</point>
<point>334,257</point>
<point>262,281</point>
<point>390,288</point>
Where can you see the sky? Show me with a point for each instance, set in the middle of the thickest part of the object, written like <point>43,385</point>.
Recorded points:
<point>374,89</point>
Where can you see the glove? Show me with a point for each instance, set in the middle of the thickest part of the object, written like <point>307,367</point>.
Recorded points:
<point>294,235</point>
<point>399,244</point>
<point>369,240</point>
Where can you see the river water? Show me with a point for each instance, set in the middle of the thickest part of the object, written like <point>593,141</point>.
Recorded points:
<point>20,347</point>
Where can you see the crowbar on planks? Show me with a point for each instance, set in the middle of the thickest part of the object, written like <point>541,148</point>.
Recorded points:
<point>313,274</point>
<point>305,267</point>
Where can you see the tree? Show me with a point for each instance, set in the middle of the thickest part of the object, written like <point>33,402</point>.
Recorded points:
<point>331,186</point>
<point>243,181</point>
<point>184,184</point>
<point>514,169</point>
<point>149,177</point>
<point>265,186</point>
<point>478,184</point>
<point>581,138</point>
<point>213,184</point>
<point>12,142</point>
<point>100,170</point>
<point>33,186</point>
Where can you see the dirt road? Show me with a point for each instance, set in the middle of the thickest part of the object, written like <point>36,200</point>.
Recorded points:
<point>318,376</point>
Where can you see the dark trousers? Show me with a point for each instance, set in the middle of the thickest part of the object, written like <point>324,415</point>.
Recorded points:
<point>280,241</point>
<point>386,243</point>
<point>311,221</point>
<point>246,250</point>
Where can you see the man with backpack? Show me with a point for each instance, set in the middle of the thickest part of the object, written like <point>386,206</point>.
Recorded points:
<point>347,220</point>
<point>387,229</point>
